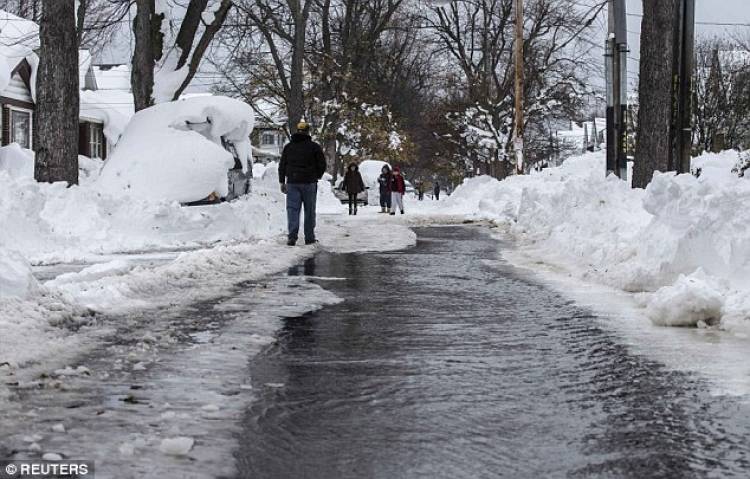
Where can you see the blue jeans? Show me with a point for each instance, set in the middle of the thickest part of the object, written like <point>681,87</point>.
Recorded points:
<point>297,196</point>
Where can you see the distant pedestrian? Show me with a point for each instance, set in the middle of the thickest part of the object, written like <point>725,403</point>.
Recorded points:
<point>398,189</point>
<point>384,181</point>
<point>353,185</point>
<point>420,190</point>
<point>302,165</point>
<point>436,191</point>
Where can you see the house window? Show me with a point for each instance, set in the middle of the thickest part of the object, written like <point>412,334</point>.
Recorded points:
<point>268,139</point>
<point>20,128</point>
<point>96,140</point>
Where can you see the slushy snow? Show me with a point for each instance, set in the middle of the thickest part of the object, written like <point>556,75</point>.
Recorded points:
<point>176,446</point>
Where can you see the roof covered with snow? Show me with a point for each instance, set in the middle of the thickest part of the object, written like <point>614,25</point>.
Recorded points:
<point>18,40</point>
<point>112,77</point>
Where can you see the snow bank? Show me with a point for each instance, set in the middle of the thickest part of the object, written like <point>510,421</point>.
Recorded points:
<point>16,278</point>
<point>50,223</point>
<point>635,240</point>
<point>173,151</point>
<point>16,161</point>
<point>690,301</point>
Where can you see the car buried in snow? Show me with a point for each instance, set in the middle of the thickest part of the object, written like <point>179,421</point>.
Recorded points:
<point>238,182</point>
<point>194,151</point>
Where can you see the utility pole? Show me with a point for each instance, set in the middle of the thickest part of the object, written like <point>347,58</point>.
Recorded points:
<point>616,65</point>
<point>518,52</point>
<point>681,132</point>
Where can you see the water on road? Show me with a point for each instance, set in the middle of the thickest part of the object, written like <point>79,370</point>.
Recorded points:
<point>443,362</point>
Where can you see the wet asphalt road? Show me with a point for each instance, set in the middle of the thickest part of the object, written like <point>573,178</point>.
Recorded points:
<point>443,362</point>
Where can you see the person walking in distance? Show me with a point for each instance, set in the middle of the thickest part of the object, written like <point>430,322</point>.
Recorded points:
<point>436,191</point>
<point>353,185</point>
<point>302,165</point>
<point>398,189</point>
<point>384,182</point>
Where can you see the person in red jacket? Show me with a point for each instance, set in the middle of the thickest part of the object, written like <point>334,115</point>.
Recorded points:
<point>398,189</point>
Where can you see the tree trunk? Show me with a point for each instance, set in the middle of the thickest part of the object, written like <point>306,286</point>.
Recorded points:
<point>655,91</point>
<point>331,156</point>
<point>296,104</point>
<point>148,48</point>
<point>57,99</point>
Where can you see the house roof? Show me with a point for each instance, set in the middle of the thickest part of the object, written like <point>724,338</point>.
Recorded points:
<point>18,40</point>
<point>112,77</point>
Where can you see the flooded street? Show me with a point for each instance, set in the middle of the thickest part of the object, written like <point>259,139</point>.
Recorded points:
<point>444,362</point>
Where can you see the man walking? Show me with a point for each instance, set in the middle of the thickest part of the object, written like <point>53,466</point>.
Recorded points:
<point>436,191</point>
<point>302,165</point>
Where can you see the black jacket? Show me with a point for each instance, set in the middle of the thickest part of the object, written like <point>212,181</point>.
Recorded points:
<point>302,161</point>
<point>353,183</point>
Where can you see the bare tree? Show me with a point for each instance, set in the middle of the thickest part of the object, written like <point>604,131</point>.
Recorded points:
<point>163,67</point>
<point>283,25</point>
<point>477,37</point>
<point>654,91</point>
<point>721,95</point>
<point>57,102</point>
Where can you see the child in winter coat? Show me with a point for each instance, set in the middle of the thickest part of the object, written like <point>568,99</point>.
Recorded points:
<point>353,185</point>
<point>398,189</point>
<point>384,181</point>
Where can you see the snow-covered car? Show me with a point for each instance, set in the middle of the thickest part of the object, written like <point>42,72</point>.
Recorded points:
<point>193,151</point>
<point>239,182</point>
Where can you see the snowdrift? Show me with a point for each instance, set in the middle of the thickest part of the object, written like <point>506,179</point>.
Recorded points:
<point>684,240</point>
<point>174,151</point>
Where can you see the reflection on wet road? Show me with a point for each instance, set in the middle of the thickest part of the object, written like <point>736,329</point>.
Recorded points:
<point>444,363</point>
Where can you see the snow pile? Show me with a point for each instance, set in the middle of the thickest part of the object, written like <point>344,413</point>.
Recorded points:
<point>16,278</point>
<point>50,223</point>
<point>690,301</point>
<point>16,161</point>
<point>632,239</point>
<point>173,151</point>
